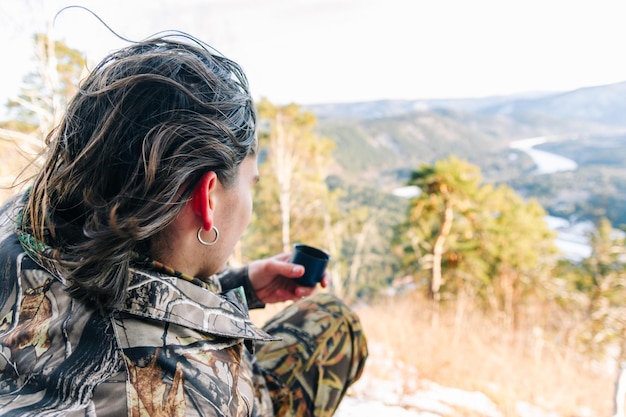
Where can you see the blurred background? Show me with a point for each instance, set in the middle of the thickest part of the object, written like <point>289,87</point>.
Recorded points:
<point>463,163</point>
<point>313,51</point>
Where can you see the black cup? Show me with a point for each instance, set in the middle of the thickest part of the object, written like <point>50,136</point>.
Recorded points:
<point>314,262</point>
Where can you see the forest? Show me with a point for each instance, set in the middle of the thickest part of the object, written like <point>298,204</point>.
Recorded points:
<point>473,239</point>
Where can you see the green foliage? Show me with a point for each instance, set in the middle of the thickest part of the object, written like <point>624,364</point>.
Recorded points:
<point>518,248</point>
<point>496,246</point>
<point>440,216</point>
<point>602,280</point>
<point>292,200</point>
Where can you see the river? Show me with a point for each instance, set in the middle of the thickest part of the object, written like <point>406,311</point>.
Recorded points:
<point>546,162</point>
<point>572,239</point>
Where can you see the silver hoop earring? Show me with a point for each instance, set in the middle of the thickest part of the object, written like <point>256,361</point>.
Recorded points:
<point>204,242</point>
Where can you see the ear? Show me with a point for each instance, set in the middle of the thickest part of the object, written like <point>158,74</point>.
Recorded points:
<point>201,200</point>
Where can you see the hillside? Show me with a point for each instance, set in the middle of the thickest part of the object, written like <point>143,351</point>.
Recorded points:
<point>600,104</point>
<point>380,143</point>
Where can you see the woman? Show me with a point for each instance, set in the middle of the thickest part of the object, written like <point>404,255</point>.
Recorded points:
<point>114,299</point>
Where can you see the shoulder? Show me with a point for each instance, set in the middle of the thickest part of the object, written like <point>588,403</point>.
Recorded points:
<point>49,339</point>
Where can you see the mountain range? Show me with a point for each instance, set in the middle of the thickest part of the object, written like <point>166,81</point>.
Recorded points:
<point>380,142</point>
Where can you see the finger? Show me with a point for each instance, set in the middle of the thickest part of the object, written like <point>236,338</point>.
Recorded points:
<point>289,270</point>
<point>304,291</point>
<point>325,282</point>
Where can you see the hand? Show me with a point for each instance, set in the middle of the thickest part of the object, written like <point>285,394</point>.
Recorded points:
<point>273,279</point>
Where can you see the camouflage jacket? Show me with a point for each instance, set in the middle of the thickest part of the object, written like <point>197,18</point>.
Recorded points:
<point>173,349</point>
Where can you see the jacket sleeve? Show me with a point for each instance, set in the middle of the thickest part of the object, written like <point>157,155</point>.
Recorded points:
<point>238,277</point>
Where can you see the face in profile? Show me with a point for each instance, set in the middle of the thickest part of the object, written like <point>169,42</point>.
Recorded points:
<point>232,208</point>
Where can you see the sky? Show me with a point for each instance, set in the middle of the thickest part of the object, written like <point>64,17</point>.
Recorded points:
<point>321,51</point>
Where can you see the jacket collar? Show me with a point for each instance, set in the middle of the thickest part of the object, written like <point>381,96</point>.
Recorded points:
<point>166,298</point>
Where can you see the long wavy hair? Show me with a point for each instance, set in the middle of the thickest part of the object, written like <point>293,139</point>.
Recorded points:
<point>145,125</point>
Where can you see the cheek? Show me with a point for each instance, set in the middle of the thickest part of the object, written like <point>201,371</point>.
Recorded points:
<point>249,208</point>
<point>244,208</point>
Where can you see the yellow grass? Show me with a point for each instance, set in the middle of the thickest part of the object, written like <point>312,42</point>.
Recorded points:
<point>476,354</point>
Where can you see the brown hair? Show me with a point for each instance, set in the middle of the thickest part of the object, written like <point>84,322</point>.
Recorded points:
<point>145,125</point>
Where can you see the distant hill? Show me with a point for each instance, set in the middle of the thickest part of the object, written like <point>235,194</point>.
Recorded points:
<point>604,104</point>
<point>381,142</point>
<point>389,108</point>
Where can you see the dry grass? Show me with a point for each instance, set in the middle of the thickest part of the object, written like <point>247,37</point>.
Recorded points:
<point>14,167</point>
<point>477,354</point>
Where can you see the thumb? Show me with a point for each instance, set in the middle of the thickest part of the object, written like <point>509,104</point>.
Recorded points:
<point>290,270</point>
